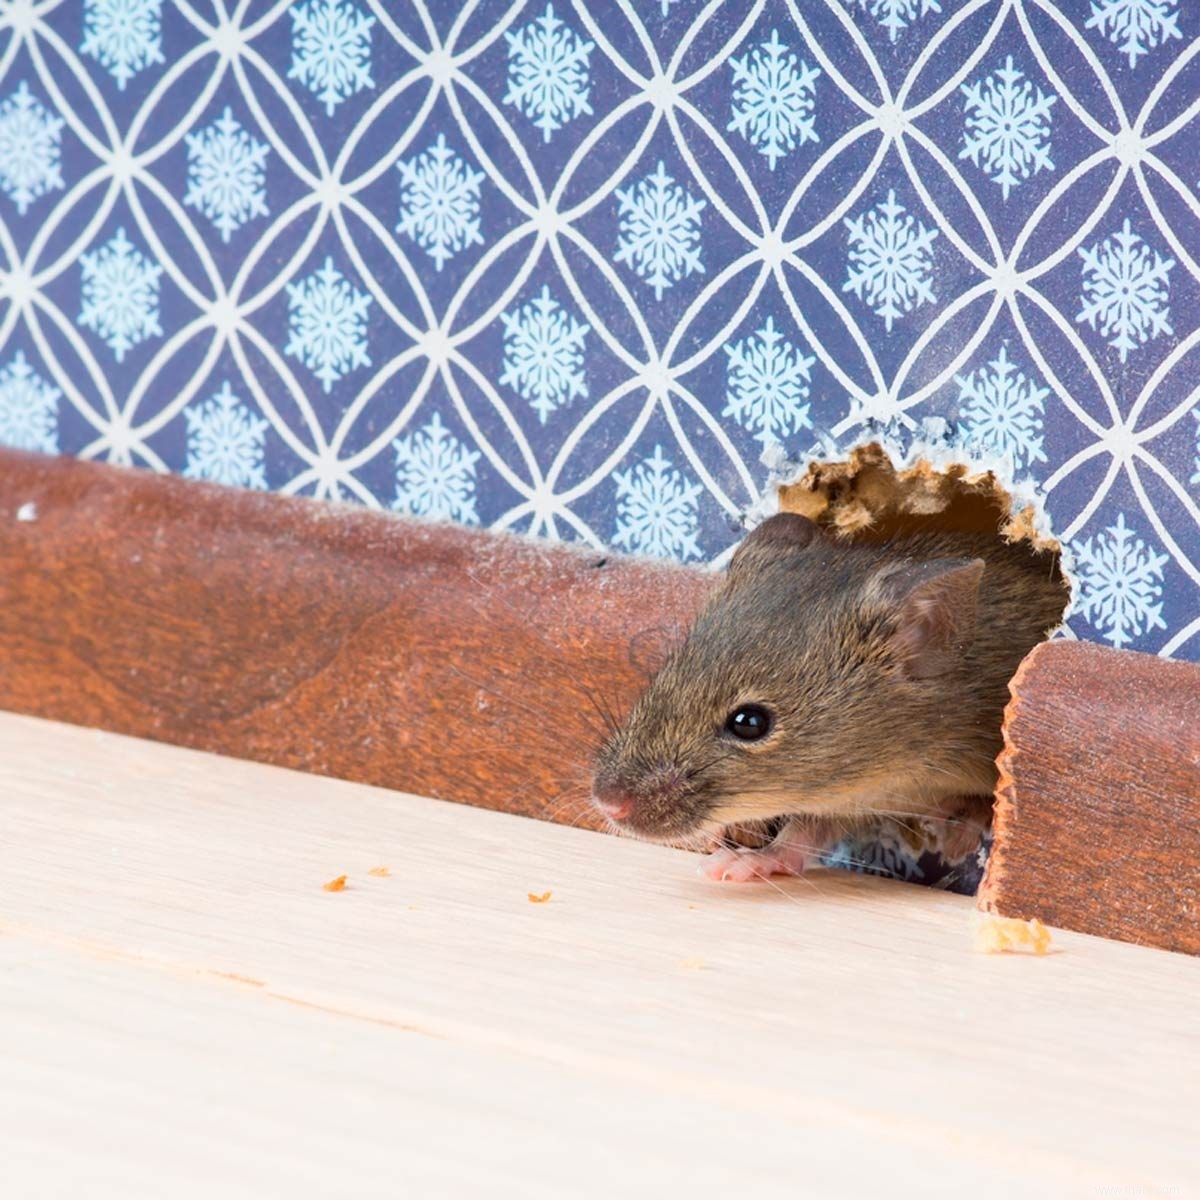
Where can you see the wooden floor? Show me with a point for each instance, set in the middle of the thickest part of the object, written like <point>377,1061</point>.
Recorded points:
<point>184,1011</point>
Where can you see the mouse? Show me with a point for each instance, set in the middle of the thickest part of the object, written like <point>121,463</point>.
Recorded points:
<point>828,684</point>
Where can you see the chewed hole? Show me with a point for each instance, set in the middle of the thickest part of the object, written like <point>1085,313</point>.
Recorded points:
<point>865,496</point>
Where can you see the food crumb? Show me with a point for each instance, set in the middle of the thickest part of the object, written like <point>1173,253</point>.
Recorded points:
<point>27,511</point>
<point>995,935</point>
<point>379,872</point>
<point>534,898</point>
<point>335,885</point>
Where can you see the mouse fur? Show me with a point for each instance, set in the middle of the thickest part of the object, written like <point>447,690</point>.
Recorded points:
<point>884,669</point>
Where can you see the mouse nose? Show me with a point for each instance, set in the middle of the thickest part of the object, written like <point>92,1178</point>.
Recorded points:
<point>614,804</point>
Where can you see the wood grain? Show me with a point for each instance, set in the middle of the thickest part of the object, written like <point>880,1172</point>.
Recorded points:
<point>1097,823</point>
<point>432,658</point>
<point>185,1012</point>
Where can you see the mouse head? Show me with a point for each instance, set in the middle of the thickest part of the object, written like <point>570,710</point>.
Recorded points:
<point>797,689</point>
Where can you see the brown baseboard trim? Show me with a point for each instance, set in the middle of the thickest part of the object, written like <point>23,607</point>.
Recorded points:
<point>459,664</point>
<point>476,667</point>
<point>1098,806</point>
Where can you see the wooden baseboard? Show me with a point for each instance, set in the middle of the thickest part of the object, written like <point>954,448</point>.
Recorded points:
<point>1098,805</point>
<point>478,667</point>
<point>459,664</point>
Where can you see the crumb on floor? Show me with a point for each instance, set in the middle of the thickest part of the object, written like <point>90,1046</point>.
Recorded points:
<point>335,885</point>
<point>534,898</point>
<point>996,935</point>
<point>379,872</point>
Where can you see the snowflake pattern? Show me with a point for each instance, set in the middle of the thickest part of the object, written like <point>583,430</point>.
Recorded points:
<point>1007,127</point>
<point>331,50</point>
<point>543,354</point>
<point>327,324</point>
<point>767,384</point>
<point>1119,584</point>
<point>120,295</point>
<point>659,230</point>
<point>1196,477</point>
<point>226,174</point>
<point>123,36</point>
<point>1125,290</point>
<point>439,202</point>
<point>225,442</point>
<point>1003,410</point>
<point>657,510</point>
<point>1136,26</point>
<point>28,408</point>
<point>773,99</point>
<point>896,15</point>
<point>890,260</point>
<point>30,149</point>
<point>548,72</point>
<point>435,475</point>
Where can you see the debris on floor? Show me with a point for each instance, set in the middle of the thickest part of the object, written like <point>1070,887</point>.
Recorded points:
<point>996,935</point>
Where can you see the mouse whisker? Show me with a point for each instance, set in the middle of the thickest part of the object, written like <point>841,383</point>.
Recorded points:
<point>932,818</point>
<point>692,842</point>
<point>895,815</point>
<point>602,706</point>
<point>573,798</point>
<point>578,775</point>
<point>573,806</point>
<point>563,740</point>
<point>692,772</point>
<point>527,621</point>
<point>852,860</point>
<point>720,835</point>
<point>802,878</point>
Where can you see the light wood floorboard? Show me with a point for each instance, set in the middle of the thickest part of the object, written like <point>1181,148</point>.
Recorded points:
<point>185,1012</point>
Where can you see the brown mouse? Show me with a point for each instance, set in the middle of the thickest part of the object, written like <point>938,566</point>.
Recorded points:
<point>830,683</point>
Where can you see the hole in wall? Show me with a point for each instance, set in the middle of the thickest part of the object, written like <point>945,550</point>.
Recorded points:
<point>871,493</point>
<point>866,497</point>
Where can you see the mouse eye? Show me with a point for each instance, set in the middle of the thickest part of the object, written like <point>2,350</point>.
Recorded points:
<point>749,722</point>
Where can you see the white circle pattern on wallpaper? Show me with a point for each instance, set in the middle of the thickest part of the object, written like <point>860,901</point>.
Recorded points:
<point>569,268</point>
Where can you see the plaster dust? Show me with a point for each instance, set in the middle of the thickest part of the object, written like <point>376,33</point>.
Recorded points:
<point>874,493</point>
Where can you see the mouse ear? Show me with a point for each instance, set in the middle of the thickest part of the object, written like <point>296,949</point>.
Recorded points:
<point>934,606</point>
<point>777,536</point>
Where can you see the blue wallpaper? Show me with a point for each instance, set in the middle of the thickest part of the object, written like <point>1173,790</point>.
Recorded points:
<point>571,268</point>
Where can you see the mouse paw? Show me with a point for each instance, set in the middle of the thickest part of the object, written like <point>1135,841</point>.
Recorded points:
<point>745,866</point>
